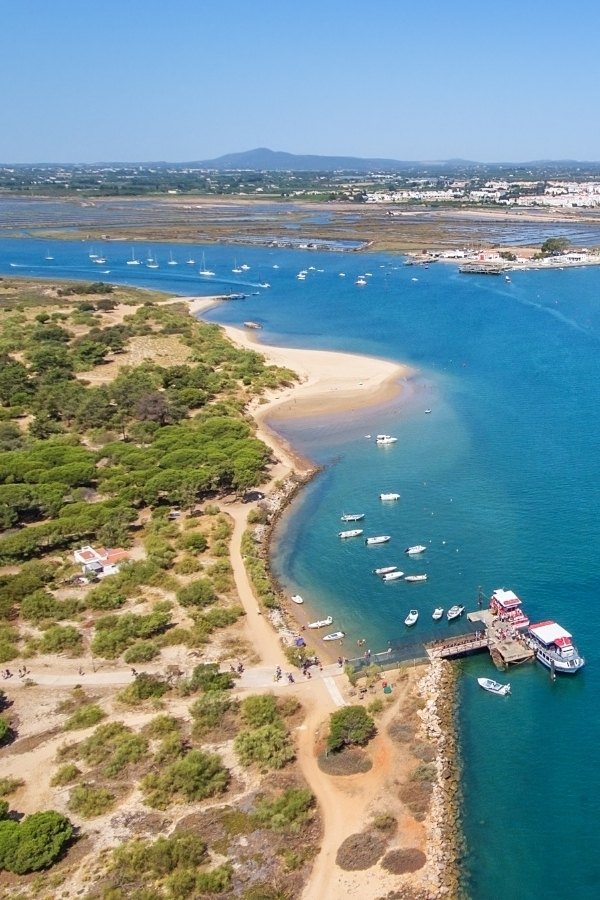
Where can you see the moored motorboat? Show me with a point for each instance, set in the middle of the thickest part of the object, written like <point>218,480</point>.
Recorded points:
<point>392,576</point>
<point>411,617</point>
<point>321,623</point>
<point>379,539</point>
<point>296,598</point>
<point>494,687</point>
<point>352,517</point>
<point>454,612</point>
<point>334,636</point>
<point>390,496</point>
<point>352,532</point>
<point>415,550</point>
<point>553,647</point>
<point>437,613</point>
<point>385,570</point>
<point>385,439</point>
<point>414,578</point>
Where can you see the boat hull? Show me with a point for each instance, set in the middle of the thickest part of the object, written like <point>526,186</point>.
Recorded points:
<point>562,666</point>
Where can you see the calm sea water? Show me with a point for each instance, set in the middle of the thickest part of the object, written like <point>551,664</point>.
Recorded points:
<point>500,482</point>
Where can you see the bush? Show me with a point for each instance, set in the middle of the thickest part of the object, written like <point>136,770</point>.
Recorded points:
<point>196,776</point>
<point>194,541</point>
<point>349,725</point>
<point>142,652</point>
<point>9,785</point>
<point>6,731</point>
<point>144,687</point>
<point>163,725</point>
<point>113,746</point>
<point>61,639</point>
<point>197,593</point>
<point>84,717</point>
<point>35,843</point>
<point>260,709</point>
<point>288,812</point>
<point>90,801</point>
<point>65,775</point>
<point>206,677</point>
<point>209,711</point>
<point>269,747</point>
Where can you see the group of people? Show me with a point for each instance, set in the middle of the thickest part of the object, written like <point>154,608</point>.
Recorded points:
<point>23,671</point>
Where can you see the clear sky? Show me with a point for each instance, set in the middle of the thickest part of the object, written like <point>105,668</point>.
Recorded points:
<point>182,80</point>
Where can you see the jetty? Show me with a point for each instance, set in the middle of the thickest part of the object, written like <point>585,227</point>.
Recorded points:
<point>481,269</point>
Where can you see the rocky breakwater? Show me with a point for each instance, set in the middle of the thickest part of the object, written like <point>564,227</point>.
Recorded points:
<point>444,842</point>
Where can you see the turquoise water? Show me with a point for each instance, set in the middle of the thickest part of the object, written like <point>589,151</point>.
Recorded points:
<point>500,482</point>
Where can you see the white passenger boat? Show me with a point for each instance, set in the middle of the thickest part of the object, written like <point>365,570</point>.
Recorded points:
<point>454,612</point>
<point>389,496</point>
<point>411,617</point>
<point>379,539</point>
<point>352,517</point>
<point>437,613</point>
<point>554,648</point>
<point>392,576</point>
<point>321,623</point>
<point>352,532</point>
<point>296,598</point>
<point>334,636</point>
<point>416,578</point>
<point>385,439</point>
<point>414,551</point>
<point>385,570</point>
<point>494,687</point>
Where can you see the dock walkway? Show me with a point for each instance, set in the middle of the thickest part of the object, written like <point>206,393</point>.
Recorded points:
<point>506,644</point>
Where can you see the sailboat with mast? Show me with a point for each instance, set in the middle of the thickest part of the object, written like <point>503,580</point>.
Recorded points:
<point>204,271</point>
<point>133,261</point>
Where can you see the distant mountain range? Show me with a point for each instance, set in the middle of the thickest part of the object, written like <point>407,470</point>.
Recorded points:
<point>263,159</point>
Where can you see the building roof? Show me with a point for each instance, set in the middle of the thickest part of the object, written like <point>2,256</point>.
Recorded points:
<point>548,632</point>
<point>506,599</point>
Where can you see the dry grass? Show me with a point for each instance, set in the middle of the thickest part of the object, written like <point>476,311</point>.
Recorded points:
<point>351,761</point>
<point>360,851</point>
<point>401,861</point>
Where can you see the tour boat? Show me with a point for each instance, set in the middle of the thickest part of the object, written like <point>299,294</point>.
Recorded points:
<point>416,578</point>
<point>321,623</point>
<point>353,532</point>
<point>414,551</point>
<point>437,613</point>
<point>392,576</point>
<point>296,598</point>
<point>352,517</point>
<point>554,648</point>
<point>389,496</point>
<point>385,439</point>
<point>385,570</point>
<point>380,539</point>
<point>411,617</point>
<point>454,612</point>
<point>494,687</point>
<point>334,636</point>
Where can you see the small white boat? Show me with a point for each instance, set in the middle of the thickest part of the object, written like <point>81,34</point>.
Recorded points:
<point>383,439</point>
<point>49,256</point>
<point>334,636</point>
<point>427,411</point>
<point>191,261</point>
<point>379,539</point>
<point>416,578</point>
<point>494,687</point>
<point>171,262</point>
<point>389,497</point>
<point>392,576</point>
<point>352,517</point>
<point>353,532</point>
<point>414,551</point>
<point>133,261</point>
<point>152,264</point>
<point>204,270</point>
<point>296,598</point>
<point>264,284</point>
<point>454,612</point>
<point>237,270</point>
<point>411,617</point>
<point>301,276</point>
<point>437,613</point>
<point>321,623</point>
<point>385,570</point>
<point>244,267</point>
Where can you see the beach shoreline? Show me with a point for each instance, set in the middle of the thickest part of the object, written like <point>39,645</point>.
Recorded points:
<point>336,383</point>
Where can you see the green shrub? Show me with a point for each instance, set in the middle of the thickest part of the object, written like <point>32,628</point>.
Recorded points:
<point>89,801</point>
<point>194,541</point>
<point>288,812</point>
<point>113,746</point>
<point>198,593</point>
<point>6,732</point>
<point>61,639</point>
<point>144,687</point>
<point>269,747</point>
<point>35,843</point>
<point>65,775</point>
<point>84,717</point>
<point>163,725</point>
<point>9,785</point>
<point>259,709</point>
<point>195,777</point>
<point>349,725</point>
<point>209,711</point>
<point>207,677</point>
<point>187,565</point>
<point>141,652</point>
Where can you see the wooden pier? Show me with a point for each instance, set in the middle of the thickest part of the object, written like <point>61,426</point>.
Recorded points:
<point>506,644</point>
<point>459,645</point>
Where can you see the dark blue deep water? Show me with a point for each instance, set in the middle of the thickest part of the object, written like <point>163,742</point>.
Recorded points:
<point>500,482</point>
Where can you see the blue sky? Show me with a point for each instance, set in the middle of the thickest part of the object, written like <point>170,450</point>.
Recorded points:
<point>193,79</point>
